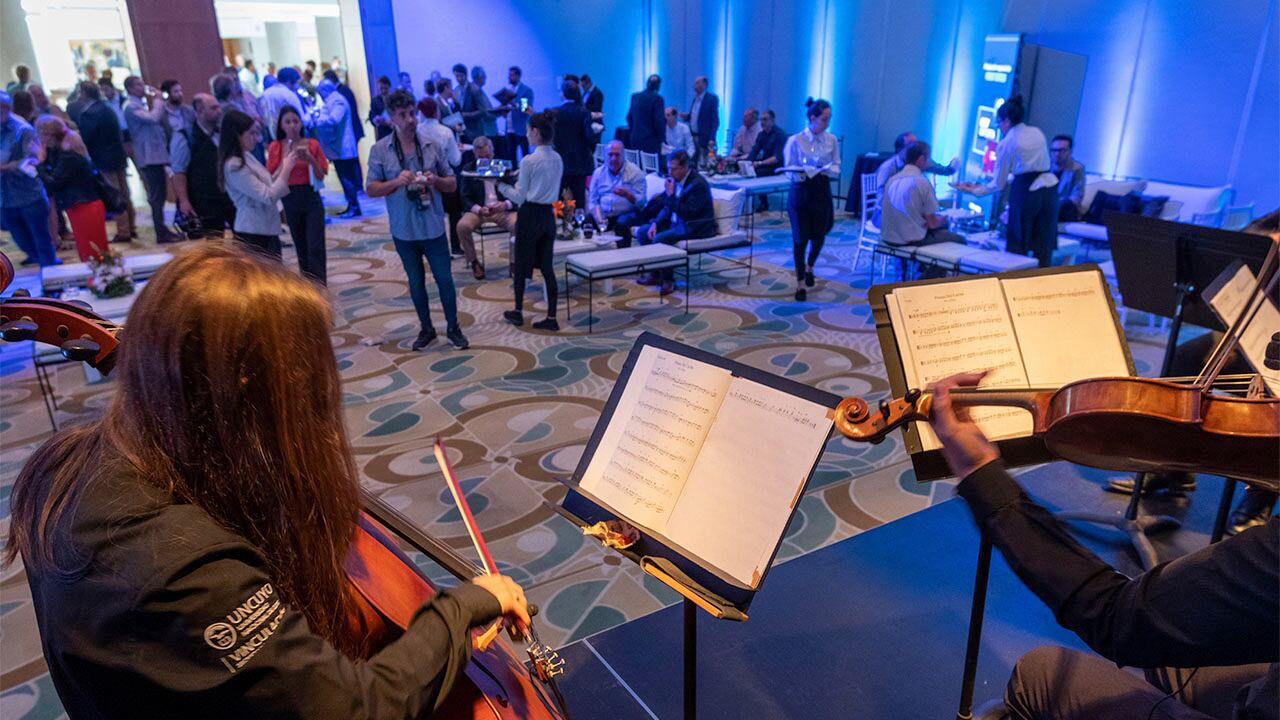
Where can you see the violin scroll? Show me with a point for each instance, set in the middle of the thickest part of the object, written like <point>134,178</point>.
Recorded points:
<point>857,421</point>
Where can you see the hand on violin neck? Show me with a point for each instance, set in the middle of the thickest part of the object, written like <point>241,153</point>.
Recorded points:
<point>509,595</point>
<point>964,447</point>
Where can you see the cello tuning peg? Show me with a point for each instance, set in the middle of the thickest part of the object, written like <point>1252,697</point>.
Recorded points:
<point>79,303</point>
<point>22,292</point>
<point>884,409</point>
<point>80,349</point>
<point>18,330</point>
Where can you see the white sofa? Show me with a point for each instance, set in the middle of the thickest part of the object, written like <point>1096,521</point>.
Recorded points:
<point>1185,203</point>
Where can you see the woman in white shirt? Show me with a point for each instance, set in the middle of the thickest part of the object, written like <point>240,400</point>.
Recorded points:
<point>1023,154</point>
<point>811,158</point>
<point>254,190</point>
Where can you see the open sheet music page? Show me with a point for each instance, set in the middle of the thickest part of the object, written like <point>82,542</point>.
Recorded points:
<point>1065,328</point>
<point>1228,301</point>
<point>644,457</point>
<point>952,328</point>
<point>753,465</point>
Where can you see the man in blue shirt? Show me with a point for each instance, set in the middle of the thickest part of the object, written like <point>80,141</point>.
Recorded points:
<point>518,121</point>
<point>411,173</point>
<point>24,206</point>
<point>616,194</point>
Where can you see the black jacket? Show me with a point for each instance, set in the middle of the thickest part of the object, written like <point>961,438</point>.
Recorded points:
<point>176,617</point>
<point>574,139</point>
<point>648,126</point>
<point>471,189</point>
<point>1217,606</point>
<point>693,206</point>
<point>100,130</point>
<point>357,126</point>
<point>594,100</point>
<point>69,177</point>
<point>769,145</point>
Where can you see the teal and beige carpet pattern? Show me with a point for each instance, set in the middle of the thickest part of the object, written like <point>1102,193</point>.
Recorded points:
<point>516,410</point>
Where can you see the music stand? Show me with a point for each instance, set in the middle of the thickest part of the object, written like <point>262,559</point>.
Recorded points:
<point>1162,267</point>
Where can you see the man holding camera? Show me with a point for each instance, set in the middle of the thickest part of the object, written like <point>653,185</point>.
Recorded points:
<point>411,172</point>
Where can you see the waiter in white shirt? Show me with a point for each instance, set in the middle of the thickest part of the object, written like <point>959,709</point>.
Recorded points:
<point>532,197</point>
<point>1033,205</point>
<point>811,158</point>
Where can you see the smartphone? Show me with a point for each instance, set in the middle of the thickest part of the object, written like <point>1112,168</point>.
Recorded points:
<point>524,104</point>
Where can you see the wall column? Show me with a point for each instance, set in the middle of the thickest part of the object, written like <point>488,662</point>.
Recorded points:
<point>282,44</point>
<point>177,39</point>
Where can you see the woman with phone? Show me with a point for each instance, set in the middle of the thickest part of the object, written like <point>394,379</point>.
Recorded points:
<point>303,209</point>
<point>254,190</point>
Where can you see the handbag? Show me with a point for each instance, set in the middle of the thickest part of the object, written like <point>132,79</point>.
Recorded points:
<point>112,199</point>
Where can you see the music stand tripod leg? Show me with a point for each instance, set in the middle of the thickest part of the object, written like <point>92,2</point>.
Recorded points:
<point>976,615</point>
<point>690,660</point>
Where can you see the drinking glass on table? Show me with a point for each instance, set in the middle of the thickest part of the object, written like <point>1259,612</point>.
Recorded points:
<point>579,216</point>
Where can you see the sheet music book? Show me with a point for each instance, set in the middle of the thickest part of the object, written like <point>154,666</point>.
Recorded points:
<point>709,462</point>
<point>1227,296</point>
<point>1040,331</point>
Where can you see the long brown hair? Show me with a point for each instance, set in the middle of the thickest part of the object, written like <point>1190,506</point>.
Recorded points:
<point>229,400</point>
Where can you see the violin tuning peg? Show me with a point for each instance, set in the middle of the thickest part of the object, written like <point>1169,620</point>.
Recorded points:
<point>18,330</point>
<point>884,409</point>
<point>22,292</point>
<point>79,303</point>
<point>912,396</point>
<point>80,349</point>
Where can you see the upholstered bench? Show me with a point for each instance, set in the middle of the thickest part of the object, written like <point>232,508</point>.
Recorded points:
<point>622,261</point>
<point>66,275</point>
<point>994,261</point>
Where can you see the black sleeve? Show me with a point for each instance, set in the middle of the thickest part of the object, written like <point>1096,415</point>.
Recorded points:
<point>472,188</point>
<point>1217,606</point>
<point>57,172</point>
<point>213,632</point>
<point>696,204</point>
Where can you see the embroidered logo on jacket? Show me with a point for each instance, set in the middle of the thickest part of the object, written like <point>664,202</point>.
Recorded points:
<point>251,624</point>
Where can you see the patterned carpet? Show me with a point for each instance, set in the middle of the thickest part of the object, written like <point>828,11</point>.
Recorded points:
<point>516,410</point>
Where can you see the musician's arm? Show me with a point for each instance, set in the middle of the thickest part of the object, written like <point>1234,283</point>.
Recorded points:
<point>1216,606</point>
<point>200,636</point>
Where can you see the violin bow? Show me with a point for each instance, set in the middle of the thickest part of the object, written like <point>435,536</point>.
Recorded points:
<point>546,662</point>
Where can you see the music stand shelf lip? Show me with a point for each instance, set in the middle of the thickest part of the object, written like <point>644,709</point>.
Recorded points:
<point>1016,452</point>
<point>729,596</point>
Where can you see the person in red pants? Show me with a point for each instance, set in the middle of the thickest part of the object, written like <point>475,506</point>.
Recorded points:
<point>68,175</point>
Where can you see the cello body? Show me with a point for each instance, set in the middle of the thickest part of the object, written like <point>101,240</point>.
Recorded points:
<point>390,589</point>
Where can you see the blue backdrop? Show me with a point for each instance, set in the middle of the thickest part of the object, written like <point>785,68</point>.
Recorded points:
<point>1175,91</point>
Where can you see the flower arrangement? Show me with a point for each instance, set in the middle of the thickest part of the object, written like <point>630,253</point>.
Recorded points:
<point>564,209</point>
<point>108,277</point>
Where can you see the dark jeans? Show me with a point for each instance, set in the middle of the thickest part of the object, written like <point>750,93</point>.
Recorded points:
<point>349,175</point>
<point>452,203</point>
<point>577,185</point>
<point>622,225</point>
<point>1054,682</point>
<point>304,213</point>
<point>517,141</point>
<point>29,226</point>
<point>157,185</point>
<point>265,244</point>
<point>1068,212</point>
<point>669,236</point>
<point>436,251</point>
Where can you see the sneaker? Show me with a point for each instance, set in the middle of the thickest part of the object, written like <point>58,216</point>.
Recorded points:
<point>456,252</point>
<point>801,295</point>
<point>515,317</point>
<point>456,337</point>
<point>1172,483</point>
<point>121,239</point>
<point>29,261</point>
<point>425,338</point>
<point>351,213</point>
<point>808,278</point>
<point>477,270</point>
<point>1255,508</point>
<point>549,324</point>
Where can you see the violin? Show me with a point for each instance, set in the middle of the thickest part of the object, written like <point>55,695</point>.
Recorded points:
<point>390,588</point>
<point>1127,423</point>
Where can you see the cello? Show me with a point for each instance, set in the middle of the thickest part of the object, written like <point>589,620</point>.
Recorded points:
<point>389,588</point>
<point>1130,424</point>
